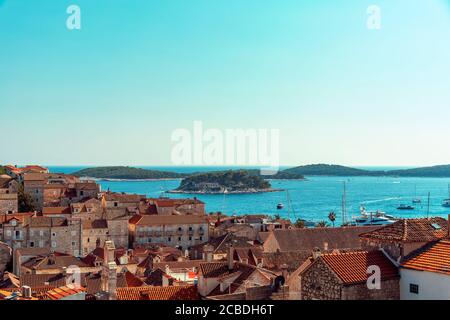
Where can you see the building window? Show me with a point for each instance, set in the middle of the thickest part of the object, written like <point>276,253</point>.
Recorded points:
<point>41,233</point>
<point>169,239</point>
<point>53,244</point>
<point>190,238</point>
<point>73,244</point>
<point>201,238</point>
<point>53,234</point>
<point>179,238</point>
<point>414,288</point>
<point>88,240</point>
<point>81,193</point>
<point>31,244</point>
<point>116,204</point>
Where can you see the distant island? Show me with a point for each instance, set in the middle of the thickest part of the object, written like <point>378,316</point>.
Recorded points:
<point>232,181</point>
<point>131,173</point>
<point>440,171</point>
<point>127,173</point>
<point>295,173</point>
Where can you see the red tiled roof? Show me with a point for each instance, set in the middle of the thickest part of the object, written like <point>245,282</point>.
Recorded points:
<point>433,257</point>
<point>56,210</point>
<point>310,238</point>
<point>158,293</point>
<point>62,292</point>
<point>172,219</point>
<point>214,269</point>
<point>411,230</point>
<point>351,267</point>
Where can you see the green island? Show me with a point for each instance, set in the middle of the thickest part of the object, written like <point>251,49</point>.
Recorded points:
<point>131,173</point>
<point>232,181</point>
<point>439,171</point>
<point>127,173</point>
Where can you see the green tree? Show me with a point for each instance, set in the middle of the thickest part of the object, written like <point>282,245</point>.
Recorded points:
<point>2,170</point>
<point>277,217</point>
<point>322,224</point>
<point>299,224</point>
<point>332,217</point>
<point>25,201</point>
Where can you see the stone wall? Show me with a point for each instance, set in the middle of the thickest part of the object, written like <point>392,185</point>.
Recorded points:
<point>5,256</point>
<point>8,203</point>
<point>390,290</point>
<point>319,283</point>
<point>258,293</point>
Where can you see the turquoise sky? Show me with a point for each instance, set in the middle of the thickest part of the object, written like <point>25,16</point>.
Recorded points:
<point>113,92</point>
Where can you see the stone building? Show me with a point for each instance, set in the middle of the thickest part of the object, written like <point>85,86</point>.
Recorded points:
<point>94,234</point>
<point>57,190</point>
<point>13,229</point>
<point>121,200</point>
<point>8,195</point>
<point>60,234</point>
<point>5,256</point>
<point>178,231</point>
<point>294,246</point>
<point>404,236</point>
<point>344,276</point>
<point>167,206</point>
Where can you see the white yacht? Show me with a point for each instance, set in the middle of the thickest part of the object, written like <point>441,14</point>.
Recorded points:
<point>371,218</point>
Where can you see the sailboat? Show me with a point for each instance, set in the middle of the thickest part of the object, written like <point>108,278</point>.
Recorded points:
<point>416,199</point>
<point>446,202</point>
<point>291,209</point>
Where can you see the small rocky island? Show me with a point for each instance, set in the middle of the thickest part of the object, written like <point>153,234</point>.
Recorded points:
<point>237,181</point>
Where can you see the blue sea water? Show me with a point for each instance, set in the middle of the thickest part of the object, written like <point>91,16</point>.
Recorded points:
<point>311,199</point>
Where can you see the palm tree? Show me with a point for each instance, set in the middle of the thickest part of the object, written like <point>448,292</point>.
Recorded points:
<point>321,224</point>
<point>299,224</point>
<point>332,217</point>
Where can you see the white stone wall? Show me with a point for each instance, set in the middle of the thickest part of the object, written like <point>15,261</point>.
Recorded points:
<point>432,286</point>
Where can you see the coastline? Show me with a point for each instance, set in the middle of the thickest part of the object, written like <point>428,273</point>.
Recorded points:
<point>229,192</point>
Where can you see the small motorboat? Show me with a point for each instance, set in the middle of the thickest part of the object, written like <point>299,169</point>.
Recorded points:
<point>417,200</point>
<point>405,207</point>
<point>446,203</point>
<point>280,206</point>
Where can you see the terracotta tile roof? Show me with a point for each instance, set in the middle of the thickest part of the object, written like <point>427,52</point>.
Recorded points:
<point>351,267</point>
<point>95,224</point>
<point>158,293</point>
<point>164,220</point>
<point>43,280</point>
<point>63,292</point>
<point>411,230</point>
<point>433,257</point>
<point>54,262</point>
<point>310,238</point>
<point>188,264</point>
<point>35,176</point>
<point>123,197</point>
<point>214,269</point>
<point>124,280</point>
<point>56,210</point>
<point>47,222</point>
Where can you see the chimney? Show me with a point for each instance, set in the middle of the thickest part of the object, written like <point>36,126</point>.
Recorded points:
<point>208,252</point>
<point>230,257</point>
<point>316,253</point>
<point>26,292</point>
<point>284,272</point>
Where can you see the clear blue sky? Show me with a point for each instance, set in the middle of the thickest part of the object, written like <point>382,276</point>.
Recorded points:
<point>112,92</point>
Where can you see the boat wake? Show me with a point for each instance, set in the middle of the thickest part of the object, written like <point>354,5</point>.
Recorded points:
<point>380,200</point>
